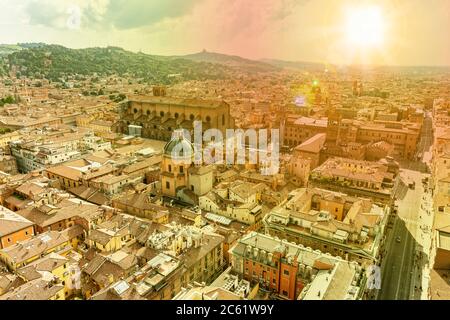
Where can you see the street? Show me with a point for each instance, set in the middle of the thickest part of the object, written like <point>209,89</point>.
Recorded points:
<point>405,262</point>
<point>397,269</point>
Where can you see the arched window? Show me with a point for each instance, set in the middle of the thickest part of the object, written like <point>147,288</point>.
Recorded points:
<point>191,117</point>
<point>208,118</point>
<point>176,115</point>
<point>161,113</point>
<point>135,110</point>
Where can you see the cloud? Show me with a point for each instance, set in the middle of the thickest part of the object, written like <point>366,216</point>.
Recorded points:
<point>47,13</point>
<point>101,14</point>
<point>60,14</point>
<point>127,14</point>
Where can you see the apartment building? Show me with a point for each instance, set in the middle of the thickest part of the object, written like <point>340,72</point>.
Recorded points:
<point>345,226</point>
<point>368,179</point>
<point>293,271</point>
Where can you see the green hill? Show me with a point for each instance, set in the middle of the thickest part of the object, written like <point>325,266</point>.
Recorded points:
<point>54,62</point>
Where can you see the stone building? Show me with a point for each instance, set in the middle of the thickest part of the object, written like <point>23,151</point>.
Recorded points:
<point>159,115</point>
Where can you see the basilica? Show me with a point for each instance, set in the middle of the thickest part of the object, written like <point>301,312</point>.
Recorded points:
<point>157,116</point>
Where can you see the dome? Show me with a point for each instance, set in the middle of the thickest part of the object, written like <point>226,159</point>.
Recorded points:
<point>179,147</point>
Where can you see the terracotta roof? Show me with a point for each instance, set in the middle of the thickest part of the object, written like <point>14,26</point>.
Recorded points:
<point>62,211</point>
<point>100,237</point>
<point>24,250</point>
<point>313,144</point>
<point>11,222</point>
<point>33,290</point>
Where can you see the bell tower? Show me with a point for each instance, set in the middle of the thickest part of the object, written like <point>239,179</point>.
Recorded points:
<point>333,126</point>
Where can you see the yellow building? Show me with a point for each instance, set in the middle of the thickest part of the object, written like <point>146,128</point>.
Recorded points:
<point>38,289</point>
<point>100,126</point>
<point>53,263</point>
<point>107,240</point>
<point>6,138</point>
<point>25,252</point>
<point>83,120</point>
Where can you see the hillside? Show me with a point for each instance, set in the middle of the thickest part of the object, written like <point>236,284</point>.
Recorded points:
<point>55,62</point>
<point>231,61</point>
<point>6,49</point>
<point>297,65</point>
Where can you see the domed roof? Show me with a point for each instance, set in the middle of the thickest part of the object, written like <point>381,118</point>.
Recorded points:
<point>179,146</point>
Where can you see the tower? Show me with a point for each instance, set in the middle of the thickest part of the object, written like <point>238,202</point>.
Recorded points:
<point>333,126</point>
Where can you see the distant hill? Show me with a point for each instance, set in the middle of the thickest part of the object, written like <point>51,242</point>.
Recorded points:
<point>314,66</point>
<point>298,65</point>
<point>231,61</point>
<point>6,49</point>
<point>54,62</point>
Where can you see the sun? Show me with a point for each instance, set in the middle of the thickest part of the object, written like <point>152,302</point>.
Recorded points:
<point>365,26</point>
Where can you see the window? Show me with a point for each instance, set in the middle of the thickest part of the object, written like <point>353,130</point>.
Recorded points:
<point>208,118</point>
<point>191,117</point>
<point>9,239</point>
<point>26,232</point>
<point>135,110</point>
<point>181,169</point>
<point>170,168</point>
<point>223,119</point>
<point>192,187</point>
<point>167,185</point>
<point>148,112</point>
<point>161,113</point>
<point>176,115</point>
<point>286,272</point>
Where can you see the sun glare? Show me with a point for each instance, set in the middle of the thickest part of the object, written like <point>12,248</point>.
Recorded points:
<point>365,26</point>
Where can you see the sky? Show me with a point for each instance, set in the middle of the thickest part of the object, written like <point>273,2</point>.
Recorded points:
<point>407,32</point>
